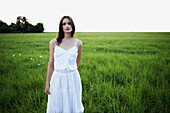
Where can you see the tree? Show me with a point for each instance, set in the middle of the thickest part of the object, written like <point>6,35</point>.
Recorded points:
<point>22,25</point>
<point>39,28</point>
<point>4,28</point>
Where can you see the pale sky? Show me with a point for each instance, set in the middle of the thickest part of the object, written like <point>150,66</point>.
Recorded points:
<point>92,15</point>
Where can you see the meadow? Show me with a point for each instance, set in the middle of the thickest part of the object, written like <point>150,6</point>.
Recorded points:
<point>121,72</point>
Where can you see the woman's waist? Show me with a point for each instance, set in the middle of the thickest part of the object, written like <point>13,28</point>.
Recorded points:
<point>65,67</point>
<point>65,70</point>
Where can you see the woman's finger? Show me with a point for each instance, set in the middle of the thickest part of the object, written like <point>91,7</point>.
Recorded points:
<point>48,92</point>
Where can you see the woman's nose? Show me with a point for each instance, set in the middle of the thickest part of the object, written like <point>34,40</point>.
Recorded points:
<point>67,25</point>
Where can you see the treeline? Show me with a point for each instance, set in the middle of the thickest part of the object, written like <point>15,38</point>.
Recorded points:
<point>21,26</point>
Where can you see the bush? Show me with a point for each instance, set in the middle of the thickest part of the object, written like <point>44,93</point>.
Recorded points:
<point>4,28</point>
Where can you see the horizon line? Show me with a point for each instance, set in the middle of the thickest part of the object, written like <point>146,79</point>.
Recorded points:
<point>119,31</point>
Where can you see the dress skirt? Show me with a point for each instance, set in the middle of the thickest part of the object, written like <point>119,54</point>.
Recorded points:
<point>66,92</point>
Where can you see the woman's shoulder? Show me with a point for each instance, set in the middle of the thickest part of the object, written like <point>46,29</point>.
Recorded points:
<point>79,43</point>
<point>53,41</point>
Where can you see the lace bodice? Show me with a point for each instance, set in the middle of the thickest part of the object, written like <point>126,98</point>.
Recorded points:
<point>65,60</point>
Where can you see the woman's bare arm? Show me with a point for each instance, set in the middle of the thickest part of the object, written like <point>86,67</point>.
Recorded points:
<point>79,52</point>
<point>51,62</point>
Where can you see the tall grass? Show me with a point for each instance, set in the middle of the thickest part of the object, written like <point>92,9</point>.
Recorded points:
<point>120,72</point>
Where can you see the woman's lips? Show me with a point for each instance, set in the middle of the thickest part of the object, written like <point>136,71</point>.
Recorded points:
<point>67,29</point>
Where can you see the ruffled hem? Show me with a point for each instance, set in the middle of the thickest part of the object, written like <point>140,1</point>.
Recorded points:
<point>66,91</point>
<point>65,101</point>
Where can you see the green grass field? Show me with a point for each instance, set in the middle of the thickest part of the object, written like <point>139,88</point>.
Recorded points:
<point>120,72</point>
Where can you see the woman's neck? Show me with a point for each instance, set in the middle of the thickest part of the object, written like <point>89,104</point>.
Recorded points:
<point>67,35</point>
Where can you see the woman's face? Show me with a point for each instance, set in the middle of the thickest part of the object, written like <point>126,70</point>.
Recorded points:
<point>66,25</point>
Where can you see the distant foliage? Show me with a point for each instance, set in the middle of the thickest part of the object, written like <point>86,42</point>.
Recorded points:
<point>21,26</point>
<point>4,28</point>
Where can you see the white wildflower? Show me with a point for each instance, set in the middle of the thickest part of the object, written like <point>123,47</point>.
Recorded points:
<point>13,55</point>
<point>41,56</point>
<point>20,54</point>
<point>38,64</point>
<point>31,58</point>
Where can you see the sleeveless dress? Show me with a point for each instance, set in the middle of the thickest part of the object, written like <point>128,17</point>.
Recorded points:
<point>65,83</point>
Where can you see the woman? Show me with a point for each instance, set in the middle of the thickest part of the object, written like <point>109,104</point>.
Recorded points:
<point>64,94</point>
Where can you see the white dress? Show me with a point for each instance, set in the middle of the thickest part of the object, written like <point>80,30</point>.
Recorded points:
<point>65,83</point>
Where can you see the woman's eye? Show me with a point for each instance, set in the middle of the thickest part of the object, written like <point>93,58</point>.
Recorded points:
<point>67,23</point>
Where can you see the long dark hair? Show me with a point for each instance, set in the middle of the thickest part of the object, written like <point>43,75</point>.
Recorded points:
<point>61,32</point>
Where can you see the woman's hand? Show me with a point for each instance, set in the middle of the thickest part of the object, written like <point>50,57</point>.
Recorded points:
<point>47,90</point>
